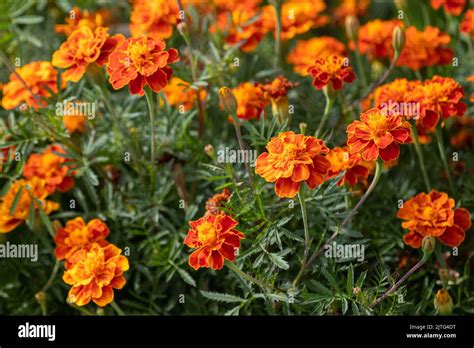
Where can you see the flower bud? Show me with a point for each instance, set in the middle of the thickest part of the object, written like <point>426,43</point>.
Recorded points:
<point>428,244</point>
<point>280,109</point>
<point>398,39</point>
<point>209,150</point>
<point>228,100</point>
<point>40,297</point>
<point>352,27</point>
<point>303,127</point>
<point>443,302</point>
<point>182,28</point>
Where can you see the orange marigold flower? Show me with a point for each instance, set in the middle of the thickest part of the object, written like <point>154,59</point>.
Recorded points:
<point>231,5</point>
<point>27,193</point>
<point>354,8</point>
<point>434,214</point>
<point>375,38</point>
<point>250,100</point>
<point>52,166</point>
<point>77,234</point>
<point>154,18</point>
<point>276,91</point>
<point>215,239</point>
<point>215,204</point>
<point>94,271</point>
<point>425,48</point>
<point>297,17</point>
<point>75,123</point>
<point>179,92</point>
<point>378,134</point>
<point>78,19</point>
<point>341,160</point>
<point>40,77</point>
<point>334,69</point>
<point>83,47</point>
<point>306,52</point>
<point>139,62</point>
<point>453,7</point>
<point>293,159</point>
<point>467,23</point>
<point>439,97</point>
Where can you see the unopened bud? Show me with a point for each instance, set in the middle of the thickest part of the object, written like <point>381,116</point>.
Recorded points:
<point>183,28</point>
<point>303,127</point>
<point>40,297</point>
<point>228,100</point>
<point>280,109</point>
<point>209,150</point>
<point>443,302</point>
<point>398,39</point>
<point>352,27</point>
<point>428,244</point>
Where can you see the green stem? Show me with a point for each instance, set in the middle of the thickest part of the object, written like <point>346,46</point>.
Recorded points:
<point>421,160</point>
<point>51,277</point>
<point>360,67</point>
<point>240,140</point>
<point>276,6</point>
<point>439,138</point>
<point>327,109</point>
<point>117,309</point>
<point>149,99</point>
<point>307,240</point>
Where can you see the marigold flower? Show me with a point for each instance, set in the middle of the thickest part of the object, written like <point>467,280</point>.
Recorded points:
<point>215,204</point>
<point>297,17</point>
<point>276,91</point>
<point>467,23</point>
<point>434,214</point>
<point>250,99</point>
<point>77,234</point>
<point>154,18</point>
<point>51,167</point>
<point>356,8</point>
<point>375,38</point>
<point>378,134</point>
<point>306,52</point>
<point>78,19</point>
<point>334,70</point>
<point>179,92</point>
<point>453,7</point>
<point>33,192</point>
<point>75,124</point>
<point>40,78</point>
<point>139,62</point>
<point>439,97</point>
<point>215,239</point>
<point>291,160</point>
<point>341,160</point>
<point>83,47</point>
<point>94,271</point>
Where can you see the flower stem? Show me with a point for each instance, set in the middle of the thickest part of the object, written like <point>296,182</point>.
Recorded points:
<point>360,67</point>
<point>240,140</point>
<point>327,109</point>
<point>149,100</point>
<point>439,140</point>
<point>378,172</point>
<point>51,277</point>
<point>276,6</point>
<point>307,241</point>
<point>421,160</point>
<point>400,282</point>
<point>117,309</point>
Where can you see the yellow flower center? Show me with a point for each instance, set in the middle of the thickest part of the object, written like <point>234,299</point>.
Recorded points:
<point>93,263</point>
<point>139,55</point>
<point>206,233</point>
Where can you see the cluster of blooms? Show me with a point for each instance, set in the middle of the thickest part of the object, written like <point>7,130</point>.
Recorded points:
<point>422,48</point>
<point>438,97</point>
<point>94,267</point>
<point>453,7</point>
<point>78,19</point>
<point>180,93</point>
<point>43,173</point>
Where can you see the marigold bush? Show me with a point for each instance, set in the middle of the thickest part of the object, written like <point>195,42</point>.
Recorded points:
<point>255,157</point>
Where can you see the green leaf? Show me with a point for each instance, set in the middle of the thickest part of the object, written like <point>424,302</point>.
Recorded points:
<point>186,276</point>
<point>279,261</point>
<point>350,280</point>
<point>331,280</point>
<point>45,219</point>
<point>360,280</point>
<point>16,200</point>
<point>221,297</point>
<point>28,20</point>
<point>345,305</point>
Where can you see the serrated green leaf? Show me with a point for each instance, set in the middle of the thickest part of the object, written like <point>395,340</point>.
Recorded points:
<point>220,297</point>
<point>331,280</point>
<point>279,261</point>
<point>350,280</point>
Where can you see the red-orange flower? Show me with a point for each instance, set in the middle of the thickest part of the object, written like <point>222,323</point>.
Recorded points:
<point>453,7</point>
<point>25,193</point>
<point>40,78</point>
<point>51,167</point>
<point>306,52</point>
<point>467,24</point>
<point>341,160</point>
<point>439,97</point>
<point>354,8</point>
<point>154,18</point>
<point>291,160</point>
<point>94,271</point>
<point>392,95</point>
<point>378,134</point>
<point>250,100</point>
<point>434,214</point>
<point>83,47</point>
<point>215,204</point>
<point>75,124</point>
<point>139,62</point>
<point>77,234</point>
<point>215,239</point>
<point>180,93</point>
<point>375,38</point>
<point>334,69</point>
<point>78,19</point>
<point>276,91</point>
